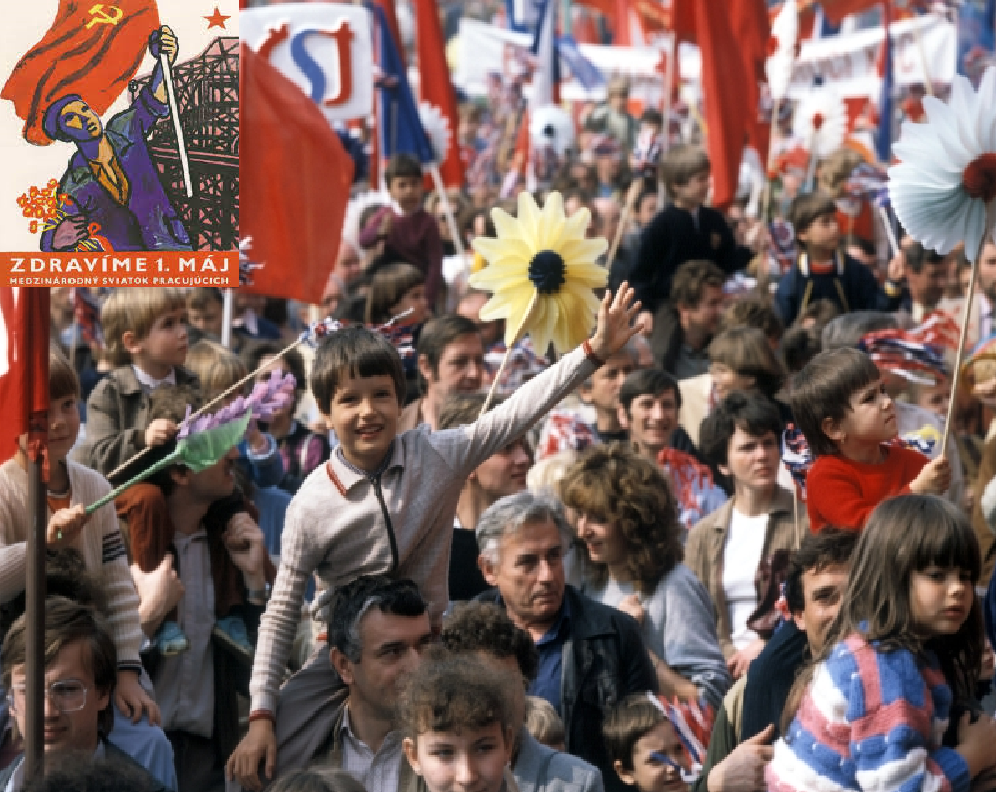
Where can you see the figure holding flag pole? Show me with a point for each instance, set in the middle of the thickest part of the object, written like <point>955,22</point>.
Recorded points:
<point>119,196</point>
<point>174,112</point>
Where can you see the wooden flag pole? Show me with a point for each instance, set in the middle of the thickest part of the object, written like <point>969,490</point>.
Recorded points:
<point>956,375</point>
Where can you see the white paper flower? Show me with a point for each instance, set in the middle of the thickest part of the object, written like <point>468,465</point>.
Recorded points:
<point>551,126</point>
<point>821,122</point>
<point>437,127</point>
<point>782,49</point>
<point>944,188</point>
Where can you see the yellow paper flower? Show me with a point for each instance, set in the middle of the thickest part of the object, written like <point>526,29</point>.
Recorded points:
<point>541,254</point>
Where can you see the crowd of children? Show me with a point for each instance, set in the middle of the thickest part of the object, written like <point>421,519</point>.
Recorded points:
<point>644,559</point>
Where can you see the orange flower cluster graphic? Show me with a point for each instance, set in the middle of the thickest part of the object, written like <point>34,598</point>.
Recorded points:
<point>42,204</point>
<point>46,207</point>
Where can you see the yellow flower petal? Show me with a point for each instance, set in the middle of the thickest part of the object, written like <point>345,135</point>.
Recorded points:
<point>529,220</point>
<point>565,317</point>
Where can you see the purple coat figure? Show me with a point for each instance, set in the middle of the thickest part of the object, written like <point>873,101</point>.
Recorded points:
<point>112,184</point>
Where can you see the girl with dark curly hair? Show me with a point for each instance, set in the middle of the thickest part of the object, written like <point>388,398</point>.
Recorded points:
<point>627,521</point>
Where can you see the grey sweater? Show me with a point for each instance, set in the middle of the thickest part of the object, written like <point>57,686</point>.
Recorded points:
<point>338,528</point>
<point>679,626</point>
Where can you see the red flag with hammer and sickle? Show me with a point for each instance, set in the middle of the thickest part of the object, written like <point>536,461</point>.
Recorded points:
<point>92,49</point>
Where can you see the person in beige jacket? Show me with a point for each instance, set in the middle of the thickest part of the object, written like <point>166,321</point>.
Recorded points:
<point>735,550</point>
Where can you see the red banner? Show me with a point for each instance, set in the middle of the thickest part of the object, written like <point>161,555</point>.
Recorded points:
<point>92,49</point>
<point>24,332</point>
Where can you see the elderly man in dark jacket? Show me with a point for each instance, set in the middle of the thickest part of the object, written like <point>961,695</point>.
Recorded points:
<point>590,656</point>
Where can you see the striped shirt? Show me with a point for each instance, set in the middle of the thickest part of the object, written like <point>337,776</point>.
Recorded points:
<point>870,720</point>
<point>100,542</point>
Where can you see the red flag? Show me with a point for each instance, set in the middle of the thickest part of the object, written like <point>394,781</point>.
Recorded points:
<point>24,329</point>
<point>91,49</point>
<point>727,91</point>
<point>749,20</point>
<point>435,86</point>
<point>294,183</point>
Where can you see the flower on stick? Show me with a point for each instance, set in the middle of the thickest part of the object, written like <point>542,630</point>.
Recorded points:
<point>541,272</point>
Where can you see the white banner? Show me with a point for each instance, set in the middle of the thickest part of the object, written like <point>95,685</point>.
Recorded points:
<point>324,48</point>
<point>486,49</point>
<point>849,63</point>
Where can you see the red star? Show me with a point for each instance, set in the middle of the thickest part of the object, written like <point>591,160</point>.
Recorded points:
<point>217,19</point>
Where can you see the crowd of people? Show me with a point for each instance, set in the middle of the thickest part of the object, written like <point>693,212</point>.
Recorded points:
<point>719,546</point>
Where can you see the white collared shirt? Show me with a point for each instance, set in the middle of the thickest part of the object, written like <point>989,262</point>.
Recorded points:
<point>148,383</point>
<point>378,772</point>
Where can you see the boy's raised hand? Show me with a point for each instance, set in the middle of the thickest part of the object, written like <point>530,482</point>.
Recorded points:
<point>615,322</point>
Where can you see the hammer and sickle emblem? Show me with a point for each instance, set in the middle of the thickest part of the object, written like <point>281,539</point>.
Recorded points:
<point>111,16</point>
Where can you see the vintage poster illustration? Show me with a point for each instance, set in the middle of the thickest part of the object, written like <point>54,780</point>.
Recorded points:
<point>92,98</point>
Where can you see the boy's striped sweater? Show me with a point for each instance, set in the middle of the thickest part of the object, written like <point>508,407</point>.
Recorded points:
<point>870,720</point>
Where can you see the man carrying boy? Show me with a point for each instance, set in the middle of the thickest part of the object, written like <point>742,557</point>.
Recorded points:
<point>683,329</point>
<point>739,748</point>
<point>822,271</point>
<point>147,341</point>
<point>684,231</point>
<point>450,361</point>
<point>384,503</point>
<point>222,564</point>
<point>412,236</point>
<point>377,632</point>
<point>849,421</point>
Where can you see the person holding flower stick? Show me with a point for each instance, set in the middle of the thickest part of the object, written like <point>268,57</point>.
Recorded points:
<point>394,496</point>
<point>944,188</point>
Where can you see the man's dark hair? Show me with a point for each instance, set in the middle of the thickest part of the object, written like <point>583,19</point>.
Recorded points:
<point>751,413</point>
<point>652,116</point>
<point>401,166</point>
<point>354,352</point>
<point>829,547</point>
<point>917,256</point>
<point>439,334</point>
<point>75,771</point>
<point>654,381</point>
<point>823,389</point>
<point>807,207</point>
<point>356,598</point>
<point>690,280</point>
<point>484,627</point>
<point>65,622</point>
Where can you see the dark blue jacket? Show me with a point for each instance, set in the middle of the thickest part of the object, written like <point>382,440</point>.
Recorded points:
<point>851,286</point>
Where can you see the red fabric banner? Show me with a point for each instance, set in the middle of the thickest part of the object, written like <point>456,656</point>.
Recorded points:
<point>294,185</point>
<point>435,86</point>
<point>24,331</point>
<point>91,49</point>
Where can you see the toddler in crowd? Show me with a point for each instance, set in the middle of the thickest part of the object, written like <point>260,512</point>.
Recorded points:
<point>888,701</point>
<point>412,236</point>
<point>849,421</point>
<point>644,746</point>
<point>146,339</point>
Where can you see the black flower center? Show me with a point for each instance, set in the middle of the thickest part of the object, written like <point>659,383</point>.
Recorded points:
<point>546,271</point>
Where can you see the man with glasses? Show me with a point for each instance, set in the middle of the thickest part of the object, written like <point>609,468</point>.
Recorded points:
<point>80,669</point>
